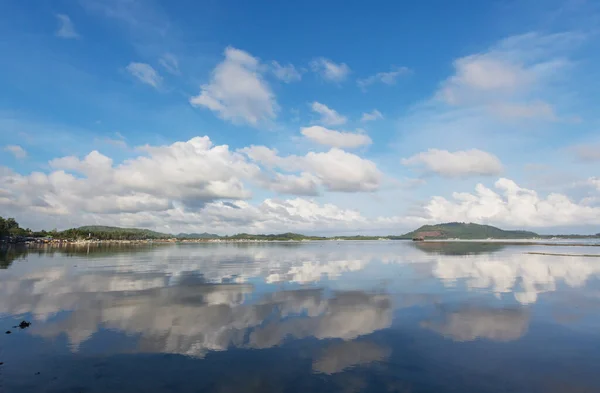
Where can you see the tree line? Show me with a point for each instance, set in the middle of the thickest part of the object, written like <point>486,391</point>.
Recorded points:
<point>10,228</point>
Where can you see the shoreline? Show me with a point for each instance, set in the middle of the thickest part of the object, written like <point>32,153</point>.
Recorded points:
<point>507,242</point>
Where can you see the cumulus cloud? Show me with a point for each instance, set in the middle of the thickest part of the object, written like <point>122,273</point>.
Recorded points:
<point>145,74</point>
<point>336,169</point>
<point>388,78</point>
<point>329,70</point>
<point>66,29</point>
<point>16,151</point>
<point>194,186</point>
<point>286,73</point>
<point>170,63</point>
<point>512,206</point>
<point>371,116</point>
<point>237,90</point>
<point>324,136</point>
<point>192,173</point>
<point>329,116</point>
<point>461,163</point>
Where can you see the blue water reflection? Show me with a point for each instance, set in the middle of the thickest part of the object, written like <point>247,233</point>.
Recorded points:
<point>317,316</point>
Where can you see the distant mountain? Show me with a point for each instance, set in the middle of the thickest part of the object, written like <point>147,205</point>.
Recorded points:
<point>278,236</point>
<point>204,235</point>
<point>100,231</point>
<point>460,230</point>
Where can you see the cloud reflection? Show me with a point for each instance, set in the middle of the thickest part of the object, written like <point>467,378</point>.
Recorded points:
<point>340,356</point>
<point>470,324</point>
<point>189,315</point>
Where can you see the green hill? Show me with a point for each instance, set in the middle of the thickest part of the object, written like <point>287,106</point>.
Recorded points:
<point>460,230</point>
<point>204,235</point>
<point>106,232</point>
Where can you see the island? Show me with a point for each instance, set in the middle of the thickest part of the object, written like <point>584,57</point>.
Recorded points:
<point>466,231</point>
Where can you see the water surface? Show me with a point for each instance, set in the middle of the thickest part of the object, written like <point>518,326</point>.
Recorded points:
<point>378,316</point>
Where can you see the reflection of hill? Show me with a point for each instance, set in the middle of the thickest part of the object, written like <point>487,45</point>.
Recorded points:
<point>99,250</point>
<point>457,248</point>
<point>9,254</point>
<point>472,323</point>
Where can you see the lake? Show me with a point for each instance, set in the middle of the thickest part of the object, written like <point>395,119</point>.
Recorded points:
<point>331,316</point>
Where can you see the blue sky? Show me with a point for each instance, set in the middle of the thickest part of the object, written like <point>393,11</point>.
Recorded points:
<point>343,117</point>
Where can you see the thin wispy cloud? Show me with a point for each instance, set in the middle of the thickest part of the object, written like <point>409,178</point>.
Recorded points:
<point>464,163</point>
<point>170,63</point>
<point>16,151</point>
<point>66,29</point>
<point>330,71</point>
<point>286,73</point>
<point>341,139</point>
<point>145,74</point>
<point>371,116</point>
<point>387,78</point>
<point>328,116</point>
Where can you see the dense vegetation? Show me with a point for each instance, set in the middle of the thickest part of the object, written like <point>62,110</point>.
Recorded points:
<point>111,233</point>
<point>10,227</point>
<point>460,230</point>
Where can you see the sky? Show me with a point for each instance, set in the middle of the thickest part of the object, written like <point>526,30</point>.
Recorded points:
<point>338,117</point>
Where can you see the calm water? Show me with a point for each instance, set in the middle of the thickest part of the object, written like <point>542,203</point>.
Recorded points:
<point>312,317</point>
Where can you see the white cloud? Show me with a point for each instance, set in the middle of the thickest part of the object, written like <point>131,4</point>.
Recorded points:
<point>305,184</point>
<point>371,116</point>
<point>145,74</point>
<point>195,186</point>
<point>511,206</point>
<point>190,173</point>
<point>342,171</point>
<point>16,150</point>
<point>388,78</point>
<point>324,136</point>
<point>237,90</point>
<point>65,27</point>
<point>170,63</point>
<point>328,116</point>
<point>287,73</point>
<point>329,70</point>
<point>336,169</point>
<point>457,164</point>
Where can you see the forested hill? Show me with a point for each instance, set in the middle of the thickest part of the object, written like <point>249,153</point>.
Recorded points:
<point>459,230</point>
<point>106,232</point>
<point>204,235</point>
